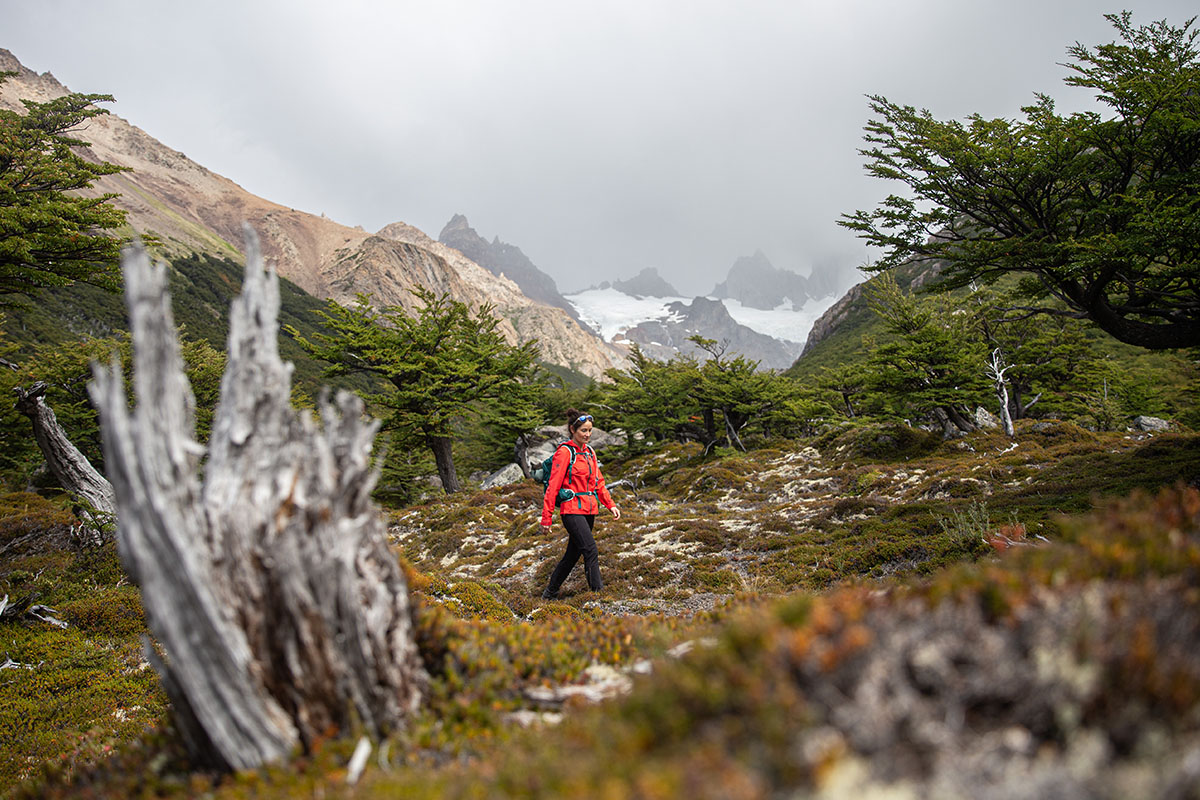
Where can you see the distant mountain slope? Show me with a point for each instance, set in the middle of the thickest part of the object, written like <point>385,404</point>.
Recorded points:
<point>749,318</point>
<point>668,336</point>
<point>840,333</point>
<point>192,209</point>
<point>202,287</point>
<point>660,326</point>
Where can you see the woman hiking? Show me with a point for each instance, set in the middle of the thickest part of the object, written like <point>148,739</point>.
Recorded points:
<point>576,470</point>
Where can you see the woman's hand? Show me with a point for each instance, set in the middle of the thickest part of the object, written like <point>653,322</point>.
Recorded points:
<point>616,512</point>
<point>546,529</point>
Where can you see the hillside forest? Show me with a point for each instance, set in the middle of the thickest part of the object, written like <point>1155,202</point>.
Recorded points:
<point>953,551</point>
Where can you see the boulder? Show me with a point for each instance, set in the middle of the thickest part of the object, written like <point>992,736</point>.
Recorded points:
<point>1151,424</point>
<point>503,477</point>
<point>545,439</point>
<point>985,418</point>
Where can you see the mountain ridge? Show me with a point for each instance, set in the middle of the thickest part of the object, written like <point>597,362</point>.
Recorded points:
<point>190,208</point>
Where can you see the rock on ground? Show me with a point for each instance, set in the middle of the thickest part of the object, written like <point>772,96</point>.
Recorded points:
<point>510,473</point>
<point>544,440</point>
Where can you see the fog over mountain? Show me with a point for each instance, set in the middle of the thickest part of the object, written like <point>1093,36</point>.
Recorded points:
<point>602,139</point>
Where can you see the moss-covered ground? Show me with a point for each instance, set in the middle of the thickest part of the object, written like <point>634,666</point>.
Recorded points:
<point>871,609</point>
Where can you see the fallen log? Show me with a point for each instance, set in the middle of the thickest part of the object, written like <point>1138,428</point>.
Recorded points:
<point>268,582</point>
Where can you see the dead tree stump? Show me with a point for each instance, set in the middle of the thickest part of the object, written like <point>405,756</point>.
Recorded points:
<point>268,581</point>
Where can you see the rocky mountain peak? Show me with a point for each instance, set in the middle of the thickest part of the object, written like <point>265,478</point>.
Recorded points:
<point>647,283</point>
<point>39,88</point>
<point>459,231</point>
<point>755,282</point>
<point>501,258</point>
<point>457,225</point>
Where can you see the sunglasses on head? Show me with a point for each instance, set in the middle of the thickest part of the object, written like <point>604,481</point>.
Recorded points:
<point>583,419</point>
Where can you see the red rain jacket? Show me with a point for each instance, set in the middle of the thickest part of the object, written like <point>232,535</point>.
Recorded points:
<point>585,477</point>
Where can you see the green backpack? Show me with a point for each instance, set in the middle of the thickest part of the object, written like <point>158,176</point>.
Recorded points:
<point>541,474</point>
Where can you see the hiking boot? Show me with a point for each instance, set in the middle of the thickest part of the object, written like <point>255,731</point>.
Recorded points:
<point>549,595</point>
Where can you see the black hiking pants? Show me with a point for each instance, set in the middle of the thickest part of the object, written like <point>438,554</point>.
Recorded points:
<point>580,542</point>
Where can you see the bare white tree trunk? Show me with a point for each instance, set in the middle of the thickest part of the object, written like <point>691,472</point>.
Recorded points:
<point>996,369</point>
<point>71,467</point>
<point>268,582</point>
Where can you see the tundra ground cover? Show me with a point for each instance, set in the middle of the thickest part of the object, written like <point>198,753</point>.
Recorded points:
<point>754,602</point>
<point>861,502</point>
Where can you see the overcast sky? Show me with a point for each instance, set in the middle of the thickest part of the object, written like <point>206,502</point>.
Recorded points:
<point>600,138</point>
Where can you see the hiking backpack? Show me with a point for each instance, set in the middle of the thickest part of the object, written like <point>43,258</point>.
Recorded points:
<point>541,474</point>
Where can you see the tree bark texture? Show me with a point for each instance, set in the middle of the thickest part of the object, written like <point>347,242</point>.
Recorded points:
<point>269,583</point>
<point>71,467</point>
<point>959,419</point>
<point>443,457</point>
<point>520,451</point>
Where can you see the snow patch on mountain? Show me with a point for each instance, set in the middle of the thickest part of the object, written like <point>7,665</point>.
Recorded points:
<point>782,322</point>
<point>611,312</point>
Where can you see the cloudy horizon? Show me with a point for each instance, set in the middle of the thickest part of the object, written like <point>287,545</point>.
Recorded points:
<point>601,140</point>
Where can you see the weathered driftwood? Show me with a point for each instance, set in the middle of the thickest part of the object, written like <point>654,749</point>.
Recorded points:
<point>71,467</point>
<point>269,583</point>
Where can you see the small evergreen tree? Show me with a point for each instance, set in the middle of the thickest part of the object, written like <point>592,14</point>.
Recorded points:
<point>733,388</point>
<point>651,399</point>
<point>66,369</point>
<point>933,363</point>
<point>443,364</point>
<point>1047,356</point>
<point>847,381</point>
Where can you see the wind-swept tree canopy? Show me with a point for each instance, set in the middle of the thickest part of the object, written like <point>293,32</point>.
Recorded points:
<point>1099,211</point>
<point>734,388</point>
<point>702,401</point>
<point>49,234</point>
<point>443,363</point>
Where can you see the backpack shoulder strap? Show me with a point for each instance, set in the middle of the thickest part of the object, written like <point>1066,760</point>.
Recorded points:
<point>570,450</point>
